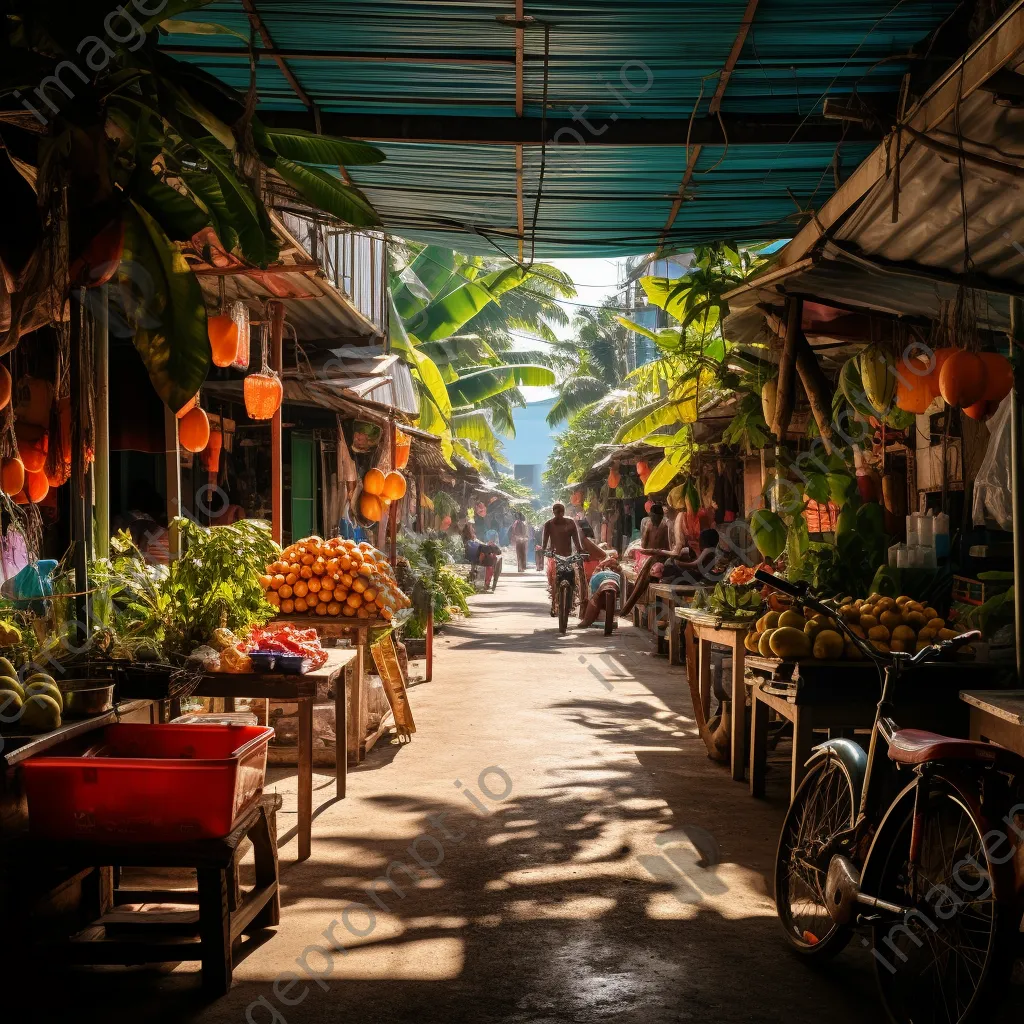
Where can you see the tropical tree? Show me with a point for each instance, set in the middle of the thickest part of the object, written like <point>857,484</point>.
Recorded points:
<point>573,453</point>
<point>593,363</point>
<point>453,319</point>
<point>114,154</point>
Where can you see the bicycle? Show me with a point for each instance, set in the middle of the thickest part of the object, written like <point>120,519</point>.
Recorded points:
<point>566,572</point>
<point>919,867</point>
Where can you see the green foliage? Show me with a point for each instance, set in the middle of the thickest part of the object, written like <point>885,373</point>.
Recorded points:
<point>748,429</point>
<point>215,583</point>
<point>574,450</point>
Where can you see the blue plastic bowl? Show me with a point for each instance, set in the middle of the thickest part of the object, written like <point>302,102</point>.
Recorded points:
<point>293,664</point>
<point>263,661</point>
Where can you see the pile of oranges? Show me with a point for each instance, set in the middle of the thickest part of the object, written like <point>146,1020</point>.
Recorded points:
<point>333,577</point>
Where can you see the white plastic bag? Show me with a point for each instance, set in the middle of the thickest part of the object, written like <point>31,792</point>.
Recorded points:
<point>992,499</point>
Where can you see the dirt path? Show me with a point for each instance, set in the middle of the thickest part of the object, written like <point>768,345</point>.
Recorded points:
<point>576,858</point>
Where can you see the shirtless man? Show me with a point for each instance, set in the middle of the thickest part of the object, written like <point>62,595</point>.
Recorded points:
<point>559,535</point>
<point>655,538</point>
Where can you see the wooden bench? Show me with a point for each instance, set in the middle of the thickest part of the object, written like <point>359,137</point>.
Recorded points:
<point>128,937</point>
<point>665,598</point>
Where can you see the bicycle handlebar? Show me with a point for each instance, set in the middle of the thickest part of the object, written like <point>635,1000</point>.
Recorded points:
<point>800,592</point>
<point>579,556</point>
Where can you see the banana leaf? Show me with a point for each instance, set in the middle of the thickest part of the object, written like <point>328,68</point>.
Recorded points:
<point>163,303</point>
<point>445,316</point>
<point>474,387</point>
<point>328,193</point>
<point>309,148</point>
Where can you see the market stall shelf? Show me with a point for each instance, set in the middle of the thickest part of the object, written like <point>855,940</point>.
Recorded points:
<point>304,690</point>
<point>701,631</point>
<point>358,632</point>
<point>997,716</point>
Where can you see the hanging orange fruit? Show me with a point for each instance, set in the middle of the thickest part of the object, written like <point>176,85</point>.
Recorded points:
<point>5,386</point>
<point>577,498</point>
<point>188,406</point>
<point>36,486</point>
<point>913,386</point>
<point>394,486</point>
<point>21,498</point>
<point>263,394</point>
<point>223,333</point>
<point>981,410</point>
<point>962,379</point>
<point>33,444</point>
<point>370,506</point>
<point>998,376</point>
<point>194,430</point>
<point>941,355</point>
<point>643,471</point>
<point>614,478</point>
<point>403,443</point>
<point>60,474</point>
<point>12,476</point>
<point>373,482</point>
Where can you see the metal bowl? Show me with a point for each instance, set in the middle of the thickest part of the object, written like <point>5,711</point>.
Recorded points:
<point>85,698</point>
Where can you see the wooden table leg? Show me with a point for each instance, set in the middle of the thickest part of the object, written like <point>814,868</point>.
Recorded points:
<point>803,741</point>
<point>704,674</point>
<point>341,685</point>
<point>758,743</point>
<point>363,710</point>
<point>673,638</point>
<point>214,930</point>
<point>739,709</point>
<point>355,698</point>
<point>305,777</point>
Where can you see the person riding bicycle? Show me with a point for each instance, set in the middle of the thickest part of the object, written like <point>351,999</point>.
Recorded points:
<point>607,577</point>
<point>560,535</point>
<point>479,553</point>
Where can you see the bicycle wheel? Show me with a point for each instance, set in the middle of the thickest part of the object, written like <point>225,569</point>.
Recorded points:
<point>947,960</point>
<point>825,805</point>
<point>564,605</point>
<point>609,612</point>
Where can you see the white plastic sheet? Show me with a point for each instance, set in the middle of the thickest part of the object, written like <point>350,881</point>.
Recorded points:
<point>992,498</point>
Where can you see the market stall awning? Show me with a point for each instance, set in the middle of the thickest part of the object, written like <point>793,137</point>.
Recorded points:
<point>559,129</point>
<point>892,240</point>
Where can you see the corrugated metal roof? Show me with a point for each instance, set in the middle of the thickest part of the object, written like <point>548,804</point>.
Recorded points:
<point>610,63</point>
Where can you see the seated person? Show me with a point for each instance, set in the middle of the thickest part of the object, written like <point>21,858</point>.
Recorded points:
<point>707,565</point>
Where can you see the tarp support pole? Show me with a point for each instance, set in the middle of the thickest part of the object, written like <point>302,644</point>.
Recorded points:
<point>1017,477</point>
<point>276,311</point>
<point>80,500</point>
<point>101,467</point>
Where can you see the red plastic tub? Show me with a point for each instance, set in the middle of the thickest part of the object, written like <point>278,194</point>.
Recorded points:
<point>149,783</point>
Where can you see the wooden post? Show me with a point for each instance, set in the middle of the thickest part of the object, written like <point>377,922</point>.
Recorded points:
<point>275,309</point>
<point>1016,477</point>
<point>419,502</point>
<point>785,398</point>
<point>101,466</point>
<point>172,478</point>
<point>816,387</point>
<point>429,674</point>
<point>395,505</point>
<point>79,497</point>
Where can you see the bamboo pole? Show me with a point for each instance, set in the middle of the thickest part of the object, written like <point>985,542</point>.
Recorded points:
<point>395,505</point>
<point>276,311</point>
<point>79,498</point>
<point>101,466</point>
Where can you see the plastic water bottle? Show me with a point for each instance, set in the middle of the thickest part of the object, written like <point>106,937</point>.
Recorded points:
<point>926,531</point>
<point>941,534</point>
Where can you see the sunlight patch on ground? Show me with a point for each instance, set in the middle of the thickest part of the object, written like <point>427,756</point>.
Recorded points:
<point>438,959</point>
<point>579,908</point>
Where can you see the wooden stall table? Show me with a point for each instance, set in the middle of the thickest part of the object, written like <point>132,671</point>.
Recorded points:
<point>304,691</point>
<point>997,716</point>
<point>672,596</point>
<point>333,627</point>
<point>703,629</point>
<point>840,697</point>
<point>641,609</point>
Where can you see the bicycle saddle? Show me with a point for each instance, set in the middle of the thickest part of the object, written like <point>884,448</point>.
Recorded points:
<point>916,746</point>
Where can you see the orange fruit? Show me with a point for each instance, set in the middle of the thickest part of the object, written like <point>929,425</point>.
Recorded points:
<point>284,591</point>
<point>300,605</point>
<point>299,588</point>
<point>963,379</point>
<point>273,598</point>
<point>333,608</point>
<point>313,585</point>
<point>277,581</point>
<point>287,607</point>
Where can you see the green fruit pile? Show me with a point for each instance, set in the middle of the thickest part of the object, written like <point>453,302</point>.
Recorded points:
<point>792,635</point>
<point>34,706</point>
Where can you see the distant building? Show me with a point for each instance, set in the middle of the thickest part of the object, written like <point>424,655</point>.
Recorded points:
<point>642,350</point>
<point>528,451</point>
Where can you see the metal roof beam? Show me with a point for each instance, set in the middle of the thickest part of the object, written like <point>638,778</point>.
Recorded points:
<point>740,130</point>
<point>734,55</point>
<point>257,23</point>
<point>345,57</point>
<point>997,48</point>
